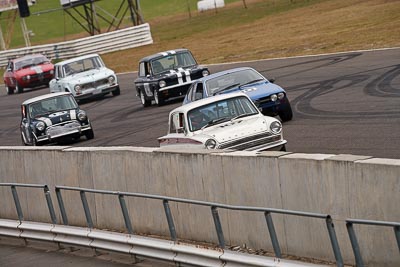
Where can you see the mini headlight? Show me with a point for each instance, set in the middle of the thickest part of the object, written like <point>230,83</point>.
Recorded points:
<point>281,95</point>
<point>274,97</point>
<point>40,126</point>
<point>205,73</point>
<point>276,127</point>
<point>111,79</point>
<point>211,144</point>
<point>81,115</point>
<point>77,88</point>
<point>162,83</point>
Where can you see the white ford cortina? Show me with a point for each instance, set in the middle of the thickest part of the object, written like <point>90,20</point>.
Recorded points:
<point>228,121</point>
<point>84,77</point>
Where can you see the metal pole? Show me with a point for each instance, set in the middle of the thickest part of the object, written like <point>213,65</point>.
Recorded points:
<point>354,244</point>
<point>125,213</point>
<point>170,220</point>
<point>334,241</point>
<point>25,32</point>
<point>62,207</point>
<point>50,205</point>
<point>218,227</point>
<point>272,233</point>
<point>397,234</point>
<point>87,210</point>
<point>17,203</point>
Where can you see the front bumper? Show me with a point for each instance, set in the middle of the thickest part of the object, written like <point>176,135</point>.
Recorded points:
<point>63,131</point>
<point>96,92</point>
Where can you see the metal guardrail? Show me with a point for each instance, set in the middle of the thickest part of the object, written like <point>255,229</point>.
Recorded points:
<point>353,237</point>
<point>101,43</point>
<point>214,212</point>
<point>13,187</point>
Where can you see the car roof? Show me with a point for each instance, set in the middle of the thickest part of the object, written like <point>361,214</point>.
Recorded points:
<point>42,97</point>
<point>163,54</point>
<point>76,59</point>
<point>27,57</point>
<point>198,103</point>
<point>222,73</point>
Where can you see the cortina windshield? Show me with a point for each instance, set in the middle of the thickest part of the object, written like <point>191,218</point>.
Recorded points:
<point>219,112</point>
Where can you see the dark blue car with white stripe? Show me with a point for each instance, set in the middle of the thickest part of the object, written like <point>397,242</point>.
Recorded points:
<point>166,75</point>
<point>270,98</point>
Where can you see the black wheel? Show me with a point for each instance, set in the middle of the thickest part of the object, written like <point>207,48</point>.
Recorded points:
<point>157,98</point>
<point>286,114</point>
<point>143,99</point>
<point>283,148</point>
<point>89,134</point>
<point>19,88</point>
<point>9,90</point>
<point>116,92</point>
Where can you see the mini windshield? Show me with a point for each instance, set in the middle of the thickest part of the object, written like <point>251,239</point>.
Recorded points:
<point>29,62</point>
<point>219,112</point>
<point>82,65</point>
<point>51,105</point>
<point>172,62</point>
<point>232,80</point>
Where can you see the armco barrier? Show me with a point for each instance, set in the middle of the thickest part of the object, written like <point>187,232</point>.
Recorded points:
<point>344,186</point>
<point>101,43</point>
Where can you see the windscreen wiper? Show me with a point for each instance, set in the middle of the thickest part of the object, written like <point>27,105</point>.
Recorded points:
<point>226,88</point>
<point>213,122</point>
<point>253,81</point>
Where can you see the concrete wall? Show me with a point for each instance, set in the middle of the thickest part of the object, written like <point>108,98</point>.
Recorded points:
<point>344,186</point>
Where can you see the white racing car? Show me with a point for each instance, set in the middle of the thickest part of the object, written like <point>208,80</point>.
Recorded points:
<point>228,121</point>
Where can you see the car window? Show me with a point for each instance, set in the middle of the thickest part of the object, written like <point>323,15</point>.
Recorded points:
<point>220,111</point>
<point>51,105</point>
<point>142,70</point>
<point>198,92</point>
<point>232,80</point>
<point>177,123</point>
<point>172,62</point>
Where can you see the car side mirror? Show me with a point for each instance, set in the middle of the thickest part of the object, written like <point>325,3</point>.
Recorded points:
<point>272,80</point>
<point>24,120</point>
<point>8,69</point>
<point>148,76</point>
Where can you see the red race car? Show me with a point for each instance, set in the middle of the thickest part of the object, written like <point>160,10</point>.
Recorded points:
<point>28,72</point>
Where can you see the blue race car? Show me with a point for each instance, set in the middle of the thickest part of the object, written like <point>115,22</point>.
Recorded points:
<point>270,98</point>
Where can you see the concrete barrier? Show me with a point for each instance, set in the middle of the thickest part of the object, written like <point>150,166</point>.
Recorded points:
<point>344,186</point>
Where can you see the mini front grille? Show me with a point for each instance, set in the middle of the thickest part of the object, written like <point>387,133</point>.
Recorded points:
<point>250,142</point>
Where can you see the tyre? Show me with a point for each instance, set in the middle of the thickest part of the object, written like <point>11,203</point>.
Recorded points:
<point>116,92</point>
<point>283,148</point>
<point>89,134</point>
<point>157,98</point>
<point>19,88</point>
<point>143,99</point>
<point>286,114</point>
<point>9,90</point>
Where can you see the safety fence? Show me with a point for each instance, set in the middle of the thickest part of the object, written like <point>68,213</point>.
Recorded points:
<point>214,213</point>
<point>101,43</point>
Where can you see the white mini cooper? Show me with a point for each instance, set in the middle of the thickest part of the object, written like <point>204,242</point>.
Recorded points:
<point>228,121</point>
<point>84,77</point>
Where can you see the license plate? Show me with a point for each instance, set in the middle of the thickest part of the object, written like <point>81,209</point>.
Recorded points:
<point>97,91</point>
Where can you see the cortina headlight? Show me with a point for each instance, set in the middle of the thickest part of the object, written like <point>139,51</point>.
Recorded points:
<point>211,144</point>
<point>205,73</point>
<point>276,127</point>
<point>77,88</point>
<point>111,79</point>
<point>162,83</point>
<point>40,126</point>
<point>81,115</point>
<point>274,97</point>
<point>281,95</point>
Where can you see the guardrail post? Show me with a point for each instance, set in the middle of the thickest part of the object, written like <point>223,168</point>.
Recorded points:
<point>17,203</point>
<point>218,227</point>
<point>397,234</point>
<point>170,220</point>
<point>272,233</point>
<point>334,241</point>
<point>87,209</point>
<point>354,244</point>
<point>61,206</point>
<point>125,213</point>
<point>50,205</point>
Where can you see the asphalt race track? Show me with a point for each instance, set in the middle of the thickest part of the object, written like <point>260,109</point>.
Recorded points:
<point>347,103</point>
